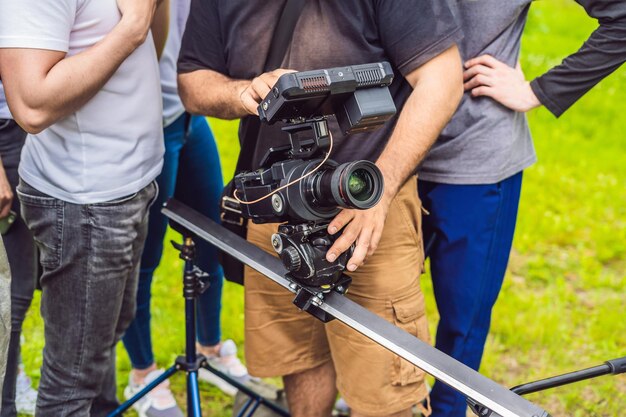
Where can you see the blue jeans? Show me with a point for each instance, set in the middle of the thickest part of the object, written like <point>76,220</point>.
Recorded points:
<point>20,248</point>
<point>90,258</point>
<point>473,228</point>
<point>192,174</point>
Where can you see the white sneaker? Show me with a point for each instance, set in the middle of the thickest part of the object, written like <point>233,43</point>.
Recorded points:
<point>227,362</point>
<point>25,394</point>
<point>157,403</point>
<point>341,409</point>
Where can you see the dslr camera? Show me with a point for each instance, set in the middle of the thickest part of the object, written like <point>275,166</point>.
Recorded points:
<point>298,184</point>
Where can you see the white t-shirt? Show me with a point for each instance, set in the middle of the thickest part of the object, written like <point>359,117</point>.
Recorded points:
<point>4,108</point>
<point>172,105</point>
<point>113,145</point>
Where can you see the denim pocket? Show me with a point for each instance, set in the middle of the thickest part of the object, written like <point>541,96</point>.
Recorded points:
<point>117,201</point>
<point>44,217</point>
<point>4,123</point>
<point>29,195</point>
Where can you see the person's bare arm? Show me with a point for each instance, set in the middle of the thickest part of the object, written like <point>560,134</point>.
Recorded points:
<point>160,26</point>
<point>437,91</point>
<point>44,86</point>
<point>211,93</point>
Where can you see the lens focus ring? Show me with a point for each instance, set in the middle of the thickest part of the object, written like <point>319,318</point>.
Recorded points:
<point>357,185</point>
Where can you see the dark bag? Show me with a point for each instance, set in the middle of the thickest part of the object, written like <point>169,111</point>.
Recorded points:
<point>230,209</point>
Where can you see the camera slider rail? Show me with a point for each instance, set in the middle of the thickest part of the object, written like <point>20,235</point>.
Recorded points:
<point>480,389</point>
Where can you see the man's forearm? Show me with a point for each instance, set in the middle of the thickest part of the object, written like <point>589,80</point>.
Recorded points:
<point>432,103</point>
<point>62,85</point>
<point>212,94</point>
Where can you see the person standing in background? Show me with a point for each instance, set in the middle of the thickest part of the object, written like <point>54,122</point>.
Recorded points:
<point>560,87</point>
<point>470,183</point>
<point>21,252</point>
<point>82,78</point>
<point>192,173</point>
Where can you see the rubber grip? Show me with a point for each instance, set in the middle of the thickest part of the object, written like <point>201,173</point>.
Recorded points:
<point>618,366</point>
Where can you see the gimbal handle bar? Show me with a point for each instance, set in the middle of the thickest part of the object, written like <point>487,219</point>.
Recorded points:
<point>614,366</point>
<point>500,400</point>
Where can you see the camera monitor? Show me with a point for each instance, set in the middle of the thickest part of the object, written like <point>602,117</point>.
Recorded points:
<point>349,92</point>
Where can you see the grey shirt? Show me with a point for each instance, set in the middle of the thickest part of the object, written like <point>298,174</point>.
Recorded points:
<point>484,142</point>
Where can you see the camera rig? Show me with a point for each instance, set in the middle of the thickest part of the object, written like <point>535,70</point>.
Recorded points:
<point>297,184</point>
<point>485,397</point>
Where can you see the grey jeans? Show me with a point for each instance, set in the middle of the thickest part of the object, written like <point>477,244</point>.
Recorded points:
<point>90,258</point>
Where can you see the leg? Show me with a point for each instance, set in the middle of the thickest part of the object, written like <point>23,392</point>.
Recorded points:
<point>20,248</point>
<point>199,184</point>
<point>280,339</point>
<point>372,380</point>
<point>107,400</point>
<point>474,225</point>
<point>89,262</point>
<point>321,381</point>
<point>137,339</point>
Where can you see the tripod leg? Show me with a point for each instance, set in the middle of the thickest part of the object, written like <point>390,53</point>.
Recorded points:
<point>245,407</point>
<point>193,395</point>
<point>253,409</point>
<point>126,405</point>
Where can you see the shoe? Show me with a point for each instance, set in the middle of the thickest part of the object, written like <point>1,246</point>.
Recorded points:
<point>341,408</point>
<point>25,394</point>
<point>157,403</point>
<point>227,362</point>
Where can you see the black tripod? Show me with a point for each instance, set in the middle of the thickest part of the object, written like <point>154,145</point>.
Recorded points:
<point>191,362</point>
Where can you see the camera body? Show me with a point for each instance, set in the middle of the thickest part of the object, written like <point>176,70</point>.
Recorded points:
<point>325,186</point>
<point>298,185</point>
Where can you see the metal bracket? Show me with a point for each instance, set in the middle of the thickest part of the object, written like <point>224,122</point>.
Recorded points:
<point>310,302</point>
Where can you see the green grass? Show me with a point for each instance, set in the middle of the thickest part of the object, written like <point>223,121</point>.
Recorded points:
<point>563,305</point>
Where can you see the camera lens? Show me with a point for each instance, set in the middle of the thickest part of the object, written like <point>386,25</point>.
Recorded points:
<point>351,185</point>
<point>360,184</point>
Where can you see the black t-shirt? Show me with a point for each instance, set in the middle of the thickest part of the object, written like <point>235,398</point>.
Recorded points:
<point>233,37</point>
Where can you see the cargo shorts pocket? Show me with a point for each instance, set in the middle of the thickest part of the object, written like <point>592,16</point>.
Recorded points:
<point>409,314</point>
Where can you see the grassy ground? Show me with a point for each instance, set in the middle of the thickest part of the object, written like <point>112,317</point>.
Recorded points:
<point>563,305</point>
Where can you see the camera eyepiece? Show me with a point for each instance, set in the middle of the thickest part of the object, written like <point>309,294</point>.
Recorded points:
<point>356,185</point>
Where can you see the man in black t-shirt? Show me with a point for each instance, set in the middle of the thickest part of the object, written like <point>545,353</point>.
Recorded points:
<point>221,75</point>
